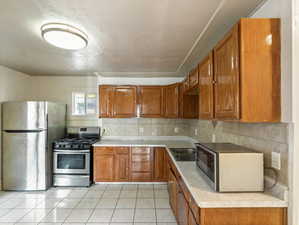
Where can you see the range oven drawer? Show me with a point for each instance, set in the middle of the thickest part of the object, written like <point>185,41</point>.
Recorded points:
<point>71,180</point>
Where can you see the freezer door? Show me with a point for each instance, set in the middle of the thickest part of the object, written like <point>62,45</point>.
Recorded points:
<point>24,161</point>
<point>24,116</point>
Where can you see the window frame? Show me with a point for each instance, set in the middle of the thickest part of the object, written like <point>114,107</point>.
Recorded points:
<point>85,94</point>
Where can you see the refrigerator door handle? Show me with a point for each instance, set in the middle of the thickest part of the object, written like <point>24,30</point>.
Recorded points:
<point>24,131</point>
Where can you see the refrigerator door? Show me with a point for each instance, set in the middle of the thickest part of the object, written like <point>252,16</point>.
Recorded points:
<point>24,160</point>
<point>24,116</point>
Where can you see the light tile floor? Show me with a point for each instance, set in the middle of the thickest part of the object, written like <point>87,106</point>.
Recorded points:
<point>102,204</point>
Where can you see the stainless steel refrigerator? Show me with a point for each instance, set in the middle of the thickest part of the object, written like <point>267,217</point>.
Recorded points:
<point>28,130</point>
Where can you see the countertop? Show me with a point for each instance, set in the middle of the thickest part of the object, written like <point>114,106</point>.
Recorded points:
<point>202,193</point>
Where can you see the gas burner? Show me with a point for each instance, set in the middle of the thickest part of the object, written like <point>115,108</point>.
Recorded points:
<point>74,143</point>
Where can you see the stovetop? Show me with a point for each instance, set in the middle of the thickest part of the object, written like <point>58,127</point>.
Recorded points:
<point>74,143</point>
<point>183,154</point>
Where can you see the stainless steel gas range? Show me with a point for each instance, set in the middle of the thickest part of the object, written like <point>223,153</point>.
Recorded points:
<point>72,157</point>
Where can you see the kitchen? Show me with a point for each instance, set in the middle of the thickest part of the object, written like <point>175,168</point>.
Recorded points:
<point>66,83</point>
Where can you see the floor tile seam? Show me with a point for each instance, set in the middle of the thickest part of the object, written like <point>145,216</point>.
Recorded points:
<point>72,209</point>
<point>31,211</point>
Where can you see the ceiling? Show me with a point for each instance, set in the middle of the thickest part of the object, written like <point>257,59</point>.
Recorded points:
<point>145,38</point>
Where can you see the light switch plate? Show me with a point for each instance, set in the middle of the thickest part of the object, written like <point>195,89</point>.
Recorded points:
<point>176,130</point>
<point>195,132</point>
<point>275,163</point>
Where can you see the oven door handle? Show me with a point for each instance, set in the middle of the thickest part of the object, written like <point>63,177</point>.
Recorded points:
<point>71,151</point>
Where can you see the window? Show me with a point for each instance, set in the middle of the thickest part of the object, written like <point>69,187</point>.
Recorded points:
<point>84,104</point>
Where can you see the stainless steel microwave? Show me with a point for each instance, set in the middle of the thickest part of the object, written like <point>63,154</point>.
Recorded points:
<point>231,168</point>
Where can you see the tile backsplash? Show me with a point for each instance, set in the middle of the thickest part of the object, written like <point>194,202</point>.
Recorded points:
<point>145,127</point>
<point>263,137</point>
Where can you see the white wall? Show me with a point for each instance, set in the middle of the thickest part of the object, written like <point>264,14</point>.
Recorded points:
<point>59,89</point>
<point>14,86</point>
<point>294,142</point>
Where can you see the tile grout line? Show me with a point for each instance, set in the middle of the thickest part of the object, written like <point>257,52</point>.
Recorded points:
<point>95,206</point>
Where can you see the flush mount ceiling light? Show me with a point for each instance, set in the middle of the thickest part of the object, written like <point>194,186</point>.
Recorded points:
<point>64,36</point>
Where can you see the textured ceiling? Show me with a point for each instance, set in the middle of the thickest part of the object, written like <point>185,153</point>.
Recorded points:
<point>126,37</point>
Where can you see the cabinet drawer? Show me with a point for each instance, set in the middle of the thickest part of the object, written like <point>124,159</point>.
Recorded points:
<point>141,158</point>
<point>141,176</point>
<point>122,150</point>
<point>195,210</point>
<point>141,166</point>
<point>141,150</point>
<point>104,151</point>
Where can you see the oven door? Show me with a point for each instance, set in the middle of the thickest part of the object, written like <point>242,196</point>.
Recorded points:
<point>71,162</point>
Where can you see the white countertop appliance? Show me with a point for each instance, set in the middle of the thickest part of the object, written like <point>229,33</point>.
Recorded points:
<point>28,130</point>
<point>231,168</point>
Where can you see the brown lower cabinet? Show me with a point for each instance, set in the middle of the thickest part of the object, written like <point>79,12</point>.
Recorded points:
<point>182,207</point>
<point>187,211</point>
<point>173,191</point>
<point>111,164</point>
<point>123,164</point>
<point>142,164</point>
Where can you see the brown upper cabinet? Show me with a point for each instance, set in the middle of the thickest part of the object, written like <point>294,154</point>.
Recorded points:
<point>124,101</point>
<point>171,99</point>
<point>193,78</point>
<point>106,101</point>
<point>150,101</point>
<point>246,74</point>
<point>186,84</point>
<point>117,101</point>
<point>227,86</point>
<point>206,88</point>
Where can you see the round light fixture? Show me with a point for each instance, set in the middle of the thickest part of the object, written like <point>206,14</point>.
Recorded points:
<point>64,36</point>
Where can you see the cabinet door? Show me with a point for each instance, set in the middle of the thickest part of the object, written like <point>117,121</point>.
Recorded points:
<point>103,167</point>
<point>122,167</point>
<point>193,78</point>
<point>226,66</point>
<point>190,108</point>
<point>124,101</point>
<point>183,208</point>
<point>206,95</point>
<point>150,100</point>
<point>160,164</point>
<point>172,188</point>
<point>181,100</point>
<point>171,96</point>
<point>105,101</point>
<point>186,84</point>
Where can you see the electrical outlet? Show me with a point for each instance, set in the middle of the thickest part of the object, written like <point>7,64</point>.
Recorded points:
<point>195,132</point>
<point>213,138</point>
<point>141,129</point>
<point>275,162</point>
<point>176,130</point>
